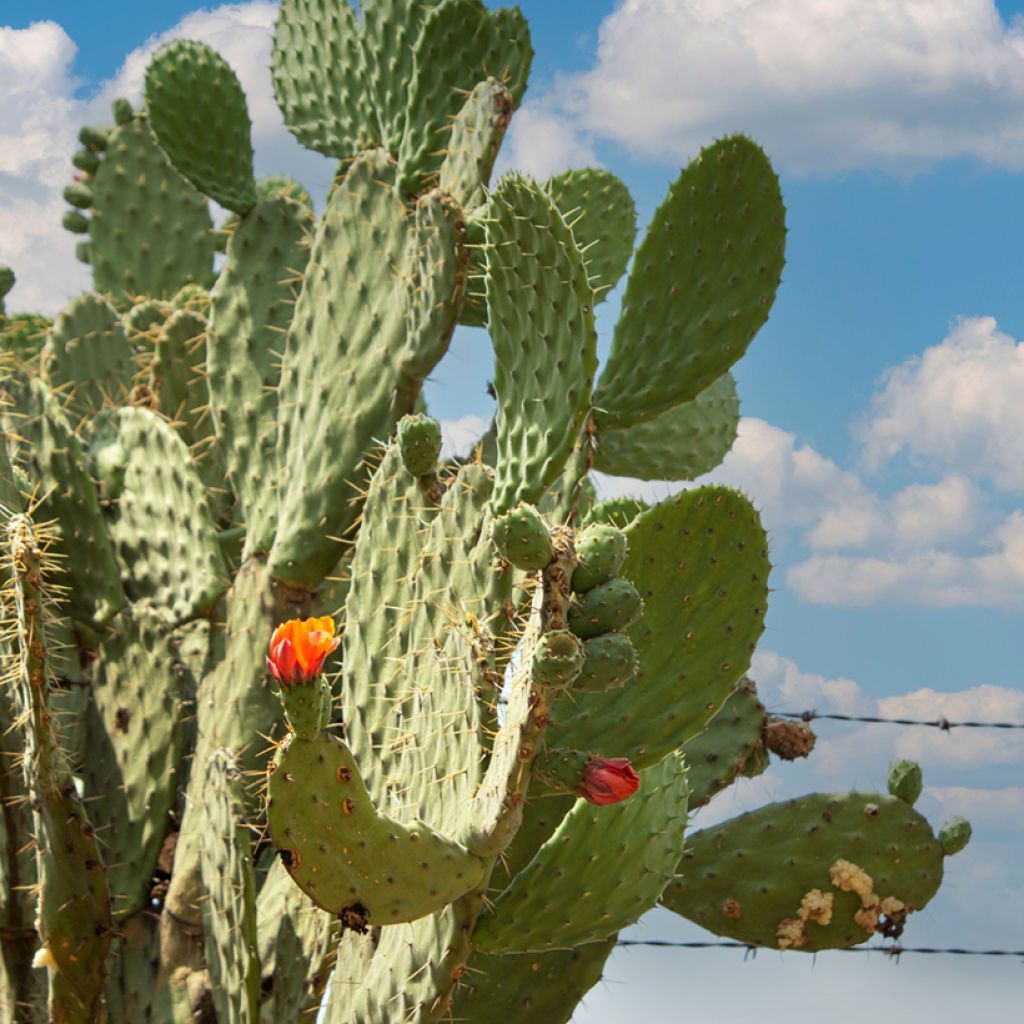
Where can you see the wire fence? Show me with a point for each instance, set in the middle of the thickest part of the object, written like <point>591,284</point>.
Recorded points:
<point>893,951</point>
<point>937,723</point>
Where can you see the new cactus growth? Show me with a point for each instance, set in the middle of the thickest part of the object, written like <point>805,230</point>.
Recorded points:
<point>452,804</point>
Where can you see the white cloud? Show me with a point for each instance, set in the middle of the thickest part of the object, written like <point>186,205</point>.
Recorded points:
<point>542,143</point>
<point>958,406</point>
<point>458,436</point>
<point>783,686</point>
<point>984,808</point>
<point>824,85</point>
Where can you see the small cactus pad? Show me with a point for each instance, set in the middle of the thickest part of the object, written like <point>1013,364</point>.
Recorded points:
<point>819,872</point>
<point>600,552</point>
<point>721,751</point>
<point>346,856</point>
<point>954,835</point>
<point>610,663</point>
<point>545,347</point>
<point>618,512</point>
<point>198,113</point>
<point>700,563</point>
<point>522,537</point>
<point>557,659</point>
<point>596,874</point>
<point>599,209</point>
<point>419,441</point>
<point>612,606</point>
<point>905,780</point>
<point>682,443</point>
<point>702,284</point>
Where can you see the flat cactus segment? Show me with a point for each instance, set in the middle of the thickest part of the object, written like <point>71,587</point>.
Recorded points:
<point>177,382</point>
<point>598,207</point>
<point>347,856</point>
<point>132,970</point>
<point>700,563</point>
<point>319,77</point>
<point>135,733</point>
<point>48,450</point>
<point>702,284</point>
<point>542,987</point>
<point>366,358</point>
<point>198,112</point>
<point>23,334</point>
<point>602,869</point>
<point>474,142</point>
<point>682,443</point>
<point>229,909</point>
<point>249,317</point>
<point>871,859</point>
<point>150,231</point>
<point>161,522</point>
<point>390,29</point>
<point>717,755</point>
<point>461,43</point>
<point>295,939</point>
<point>87,357</point>
<point>542,327</point>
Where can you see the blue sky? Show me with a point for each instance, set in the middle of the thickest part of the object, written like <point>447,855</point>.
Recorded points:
<point>884,423</point>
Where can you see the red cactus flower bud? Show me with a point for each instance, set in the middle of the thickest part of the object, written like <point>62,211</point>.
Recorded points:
<point>298,649</point>
<point>607,780</point>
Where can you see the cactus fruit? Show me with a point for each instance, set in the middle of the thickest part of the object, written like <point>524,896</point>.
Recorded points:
<point>454,804</point>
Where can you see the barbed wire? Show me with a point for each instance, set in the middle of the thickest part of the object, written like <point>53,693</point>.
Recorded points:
<point>894,951</point>
<point>941,722</point>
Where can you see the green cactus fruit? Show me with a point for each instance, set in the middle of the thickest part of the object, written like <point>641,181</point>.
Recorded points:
<point>954,835</point>
<point>6,281</point>
<point>557,659</point>
<point>523,539</point>
<point>600,552</point>
<point>94,138</point>
<point>905,780</point>
<point>83,253</point>
<point>74,222</point>
<point>611,607</point>
<point>122,110</point>
<point>198,113</point>
<point>618,512</point>
<point>78,195</point>
<point>610,663</point>
<point>86,160</point>
<point>419,442</point>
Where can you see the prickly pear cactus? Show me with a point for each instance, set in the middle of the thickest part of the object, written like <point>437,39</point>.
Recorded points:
<point>297,714</point>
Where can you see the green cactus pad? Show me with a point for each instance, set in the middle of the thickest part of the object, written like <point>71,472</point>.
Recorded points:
<point>745,877</point>
<point>699,561</point>
<point>23,335</point>
<point>461,43</point>
<point>229,909</point>
<point>87,357</point>
<point>176,376</point>
<point>610,663</point>
<point>542,328</point>
<point>197,111</point>
<point>348,857</point>
<point>150,231</point>
<point>618,512</point>
<point>419,443</point>
<point>600,552</point>
<point>250,314</point>
<point>48,450</point>
<point>474,142</point>
<point>142,323</point>
<point>905,780</point>
<point>320,79</point>
<point>273,186</point>
<point>522,537</point>
<point>557,659</point>
<point>162,525</point>
<point>135,743</point>
<point>599,209</point>
<point>718,754</point>
<point>702,284</point>
<point>682,443</point>
<point>295,939</point>
<point>611,607</point>
<point>954,835</point>
<point>367,358</point>
<point>601,870</point>
<point>542,987</point>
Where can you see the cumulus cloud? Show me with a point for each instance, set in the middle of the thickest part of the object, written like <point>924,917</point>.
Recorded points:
<point>825,86</point>
<point>458,436</point>
<point>956,406</point>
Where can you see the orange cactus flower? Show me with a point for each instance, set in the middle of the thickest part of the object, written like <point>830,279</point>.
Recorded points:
<point>298,649</point>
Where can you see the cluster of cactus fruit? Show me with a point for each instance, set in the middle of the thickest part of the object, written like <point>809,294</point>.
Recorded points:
<point>207,812</point>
